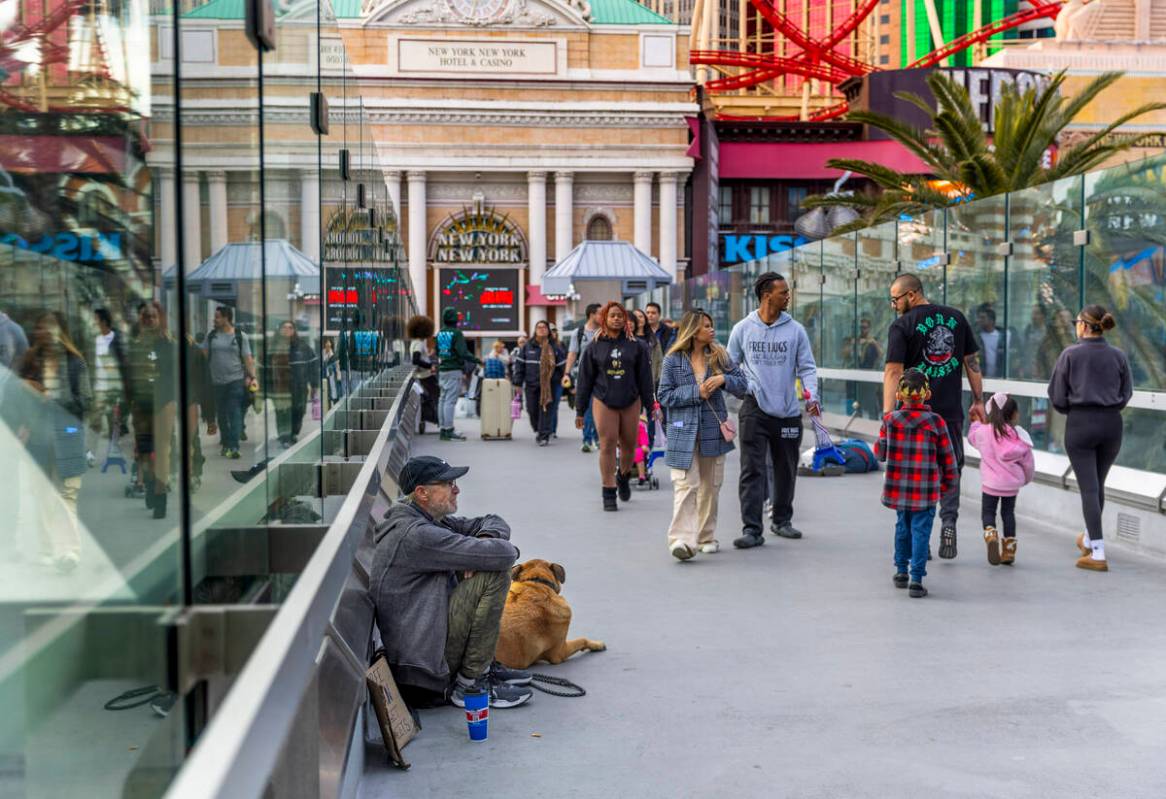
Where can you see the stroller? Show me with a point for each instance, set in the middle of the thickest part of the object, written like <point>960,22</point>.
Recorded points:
<point>651,482</point>
<point>827,459</point>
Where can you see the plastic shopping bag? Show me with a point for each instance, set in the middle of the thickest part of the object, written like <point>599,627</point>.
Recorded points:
<point>516,406</point>
<point>317,410</point>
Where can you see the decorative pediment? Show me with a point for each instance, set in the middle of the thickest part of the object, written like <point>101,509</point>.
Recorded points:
<point>477,13</point>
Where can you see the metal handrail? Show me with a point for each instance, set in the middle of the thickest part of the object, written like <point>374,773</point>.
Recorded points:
<point>238,751</point>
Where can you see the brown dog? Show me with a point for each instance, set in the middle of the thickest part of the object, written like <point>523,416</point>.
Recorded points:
<point>535,621</point>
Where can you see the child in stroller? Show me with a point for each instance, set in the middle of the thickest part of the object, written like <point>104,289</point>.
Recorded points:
<point>645,456</point>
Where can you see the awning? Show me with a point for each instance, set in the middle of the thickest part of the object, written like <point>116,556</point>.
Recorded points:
<point>536,299</point>
<point>807,161</point>
<point>605,260</point>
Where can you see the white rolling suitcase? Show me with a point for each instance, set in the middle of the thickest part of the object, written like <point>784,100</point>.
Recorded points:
<point>496,421</point>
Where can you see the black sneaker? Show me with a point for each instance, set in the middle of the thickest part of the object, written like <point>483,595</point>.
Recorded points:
<point>786,530</point>
<point>901,579</point>
<point>916,591</point>
<point>454,435</point>
<point>501,695</point>
<point>623,482</point>
<point>947,542</point>
<point>748,541</point>
<point>501,673</point>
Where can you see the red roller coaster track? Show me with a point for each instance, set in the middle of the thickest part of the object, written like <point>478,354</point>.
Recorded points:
<point>819,60</point>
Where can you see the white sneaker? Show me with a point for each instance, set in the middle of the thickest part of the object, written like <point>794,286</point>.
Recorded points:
<point>90,459</point>
<point>68,562</point>
<point>681,551</point>
<point>710,548</point>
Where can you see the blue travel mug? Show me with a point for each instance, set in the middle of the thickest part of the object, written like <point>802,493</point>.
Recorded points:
<point>478,714</point>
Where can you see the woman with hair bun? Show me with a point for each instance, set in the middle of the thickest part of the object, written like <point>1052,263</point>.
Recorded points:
<point>1091,385</point>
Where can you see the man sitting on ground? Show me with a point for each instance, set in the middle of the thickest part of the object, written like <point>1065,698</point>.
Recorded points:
<point>440,582</point>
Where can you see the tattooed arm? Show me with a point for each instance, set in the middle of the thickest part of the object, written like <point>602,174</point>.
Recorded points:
<point>976,384</point>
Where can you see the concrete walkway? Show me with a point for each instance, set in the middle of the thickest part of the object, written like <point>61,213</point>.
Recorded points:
<point>797,669</point>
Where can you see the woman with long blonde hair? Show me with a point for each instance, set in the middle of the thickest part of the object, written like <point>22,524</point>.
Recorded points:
<point>693,380</point>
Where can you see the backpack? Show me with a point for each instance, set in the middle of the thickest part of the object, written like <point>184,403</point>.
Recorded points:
<point>238,345</point>
<point>859,456</point>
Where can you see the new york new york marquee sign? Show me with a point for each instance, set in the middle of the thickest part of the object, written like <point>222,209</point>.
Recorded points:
<point>478,235</point>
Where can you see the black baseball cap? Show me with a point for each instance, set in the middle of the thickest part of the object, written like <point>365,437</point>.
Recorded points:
<point>426,469</point>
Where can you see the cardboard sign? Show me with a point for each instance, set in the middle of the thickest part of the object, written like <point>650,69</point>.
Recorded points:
<point>396,722</point>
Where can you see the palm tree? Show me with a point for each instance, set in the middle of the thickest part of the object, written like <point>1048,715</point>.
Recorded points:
<point>958,150</point>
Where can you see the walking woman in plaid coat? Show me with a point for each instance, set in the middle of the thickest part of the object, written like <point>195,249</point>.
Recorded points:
<point>915,444</point>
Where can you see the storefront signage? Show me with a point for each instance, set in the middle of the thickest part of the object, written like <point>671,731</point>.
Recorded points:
<point>756,247</point>
<point>69,246</point>
<point>351,237</point>
<point>486,299</point>
<point>478,235</point>
<point>465,56</point>
<point>359,297</point>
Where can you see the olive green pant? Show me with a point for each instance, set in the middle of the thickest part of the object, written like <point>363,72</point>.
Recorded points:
<point>475,618</point>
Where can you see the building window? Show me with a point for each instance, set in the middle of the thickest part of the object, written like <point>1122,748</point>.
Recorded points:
<point>884,59</point>
<point>794,197</point>
<point>885,19</point>
<point>759,205</point>
<point>884,39</point>
<point>599,229</point>
<point>726,209</point>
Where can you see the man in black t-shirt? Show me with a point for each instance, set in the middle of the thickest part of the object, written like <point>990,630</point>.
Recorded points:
<point>938,341</point>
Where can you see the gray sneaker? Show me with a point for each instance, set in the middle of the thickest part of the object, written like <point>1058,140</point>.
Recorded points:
<point>501,695</point>
<point>501,673</point>
<point>748,541</point>
<point>786,530</point>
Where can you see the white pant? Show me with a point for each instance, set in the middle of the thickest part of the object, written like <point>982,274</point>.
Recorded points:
<point>695,492</point>
<point>59,527</point>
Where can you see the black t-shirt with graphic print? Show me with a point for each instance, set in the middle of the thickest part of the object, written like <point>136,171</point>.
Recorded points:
<point>936,340</point>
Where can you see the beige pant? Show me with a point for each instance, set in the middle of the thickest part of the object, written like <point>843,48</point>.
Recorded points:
<point>60,530</point>
<point>695,492</point>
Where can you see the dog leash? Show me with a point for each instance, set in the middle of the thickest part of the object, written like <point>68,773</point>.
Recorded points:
<point>572,690</point>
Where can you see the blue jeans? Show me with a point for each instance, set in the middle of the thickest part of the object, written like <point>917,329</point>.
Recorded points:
<point>912,537</point>
<point>590,434</point>
<point>230,400</point>
<point>451,388</point>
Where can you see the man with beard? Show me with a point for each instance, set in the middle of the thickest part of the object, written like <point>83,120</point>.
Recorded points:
<point>938,341</point>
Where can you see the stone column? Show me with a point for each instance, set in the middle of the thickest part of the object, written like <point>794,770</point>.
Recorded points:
<point>168,220</point>
<point>668,229</point>
<point>310,214</point>
<point>216,181</point>
<point>643,213</point>
<point>393,181</point>
<point>417,239</point>
<point>536,198</point>
<point>564,214</point>
<point>191,222</point>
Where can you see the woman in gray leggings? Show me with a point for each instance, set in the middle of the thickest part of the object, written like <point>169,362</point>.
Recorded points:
<point>1090,385</point>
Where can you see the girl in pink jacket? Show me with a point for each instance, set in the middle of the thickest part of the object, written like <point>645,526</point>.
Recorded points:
<point>1006,466</point>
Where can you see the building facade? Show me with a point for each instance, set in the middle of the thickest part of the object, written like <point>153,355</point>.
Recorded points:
<point>507,133</point>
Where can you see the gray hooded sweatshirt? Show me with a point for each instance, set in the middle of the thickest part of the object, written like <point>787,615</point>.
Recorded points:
<point>413,574</point>
<point>13,342</point>
<point>773,357</point>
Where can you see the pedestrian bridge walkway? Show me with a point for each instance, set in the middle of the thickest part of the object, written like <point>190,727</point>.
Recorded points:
<point>797,669</point>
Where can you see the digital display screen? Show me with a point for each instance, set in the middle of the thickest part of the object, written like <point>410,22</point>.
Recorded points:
<point>358,297</point>
<point>486,299</point>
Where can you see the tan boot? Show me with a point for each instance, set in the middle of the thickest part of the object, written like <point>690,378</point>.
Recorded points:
<point>1082,545</point>
<point>1087,562</point>
<point>1008,551</point>
<point>992,539</point>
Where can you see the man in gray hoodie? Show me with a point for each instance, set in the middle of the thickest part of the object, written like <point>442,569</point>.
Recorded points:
<point>439,583</point>
<point>774,351</point>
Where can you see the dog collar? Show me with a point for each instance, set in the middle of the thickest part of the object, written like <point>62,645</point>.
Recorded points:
<point>547,583</point>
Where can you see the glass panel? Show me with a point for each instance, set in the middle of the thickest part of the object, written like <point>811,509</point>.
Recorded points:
<point>88,401</point>
<point>838,302</point>
<point>877,266</point>
<point>1125,262</point>
<point>920,250</point>
<point>1043,275</point>
<point>975,276</point>
<point>805,279</point>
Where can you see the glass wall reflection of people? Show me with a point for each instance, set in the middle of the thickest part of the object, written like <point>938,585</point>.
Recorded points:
<point>292,361</point>
<point>47,408</point>
<point>153,405</point>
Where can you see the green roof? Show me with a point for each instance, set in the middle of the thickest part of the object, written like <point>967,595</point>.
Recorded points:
<point>624,12</point>
<point>603,12</point>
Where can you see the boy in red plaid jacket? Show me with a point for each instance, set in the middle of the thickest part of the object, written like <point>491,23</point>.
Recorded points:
<point>914,443</point>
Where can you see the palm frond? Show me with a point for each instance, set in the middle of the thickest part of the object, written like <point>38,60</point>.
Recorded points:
<point>883,175</point>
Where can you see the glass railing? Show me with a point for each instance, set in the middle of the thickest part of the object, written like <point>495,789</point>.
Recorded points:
<point>190,295</point>
<point>1019,266</point>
